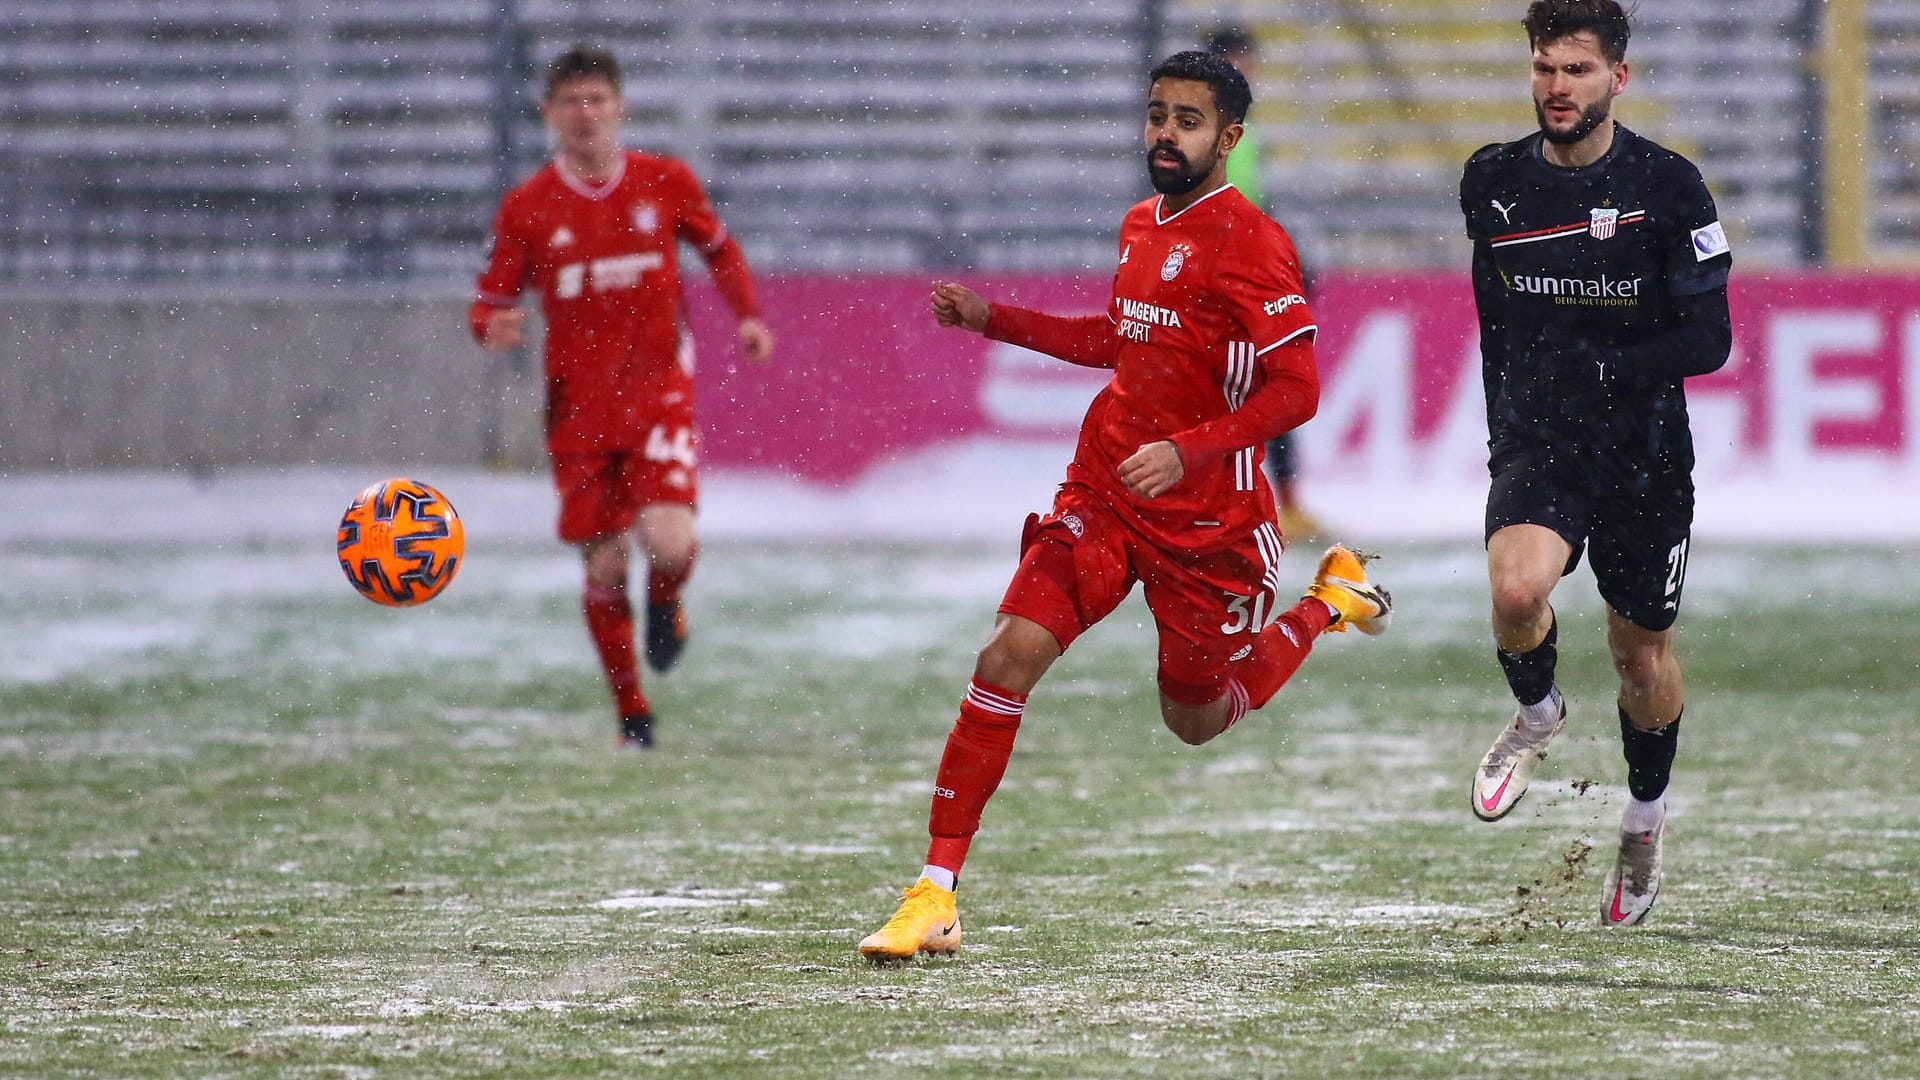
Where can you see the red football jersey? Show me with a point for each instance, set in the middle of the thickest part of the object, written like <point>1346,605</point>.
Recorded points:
<point>604,259</point>
<point>1203,301</point>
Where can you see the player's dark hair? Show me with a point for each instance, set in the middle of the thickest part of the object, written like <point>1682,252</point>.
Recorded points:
<point>1231,94</point>
<point>582,61</point>
<point>1228,39</point>
<point>1551,20</point>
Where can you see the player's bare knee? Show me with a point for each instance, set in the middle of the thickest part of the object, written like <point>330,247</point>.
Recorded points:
<point>995,663</point>
<point>1192,723</point>
<point>1519,603</point>
<point>1194,712</point>
<point>1642,655</point>
<point>1192,735</point>
<point>1644,673</point>
<point>672,560</point>
<point>605,561</point>
<point>1015,656</point>
<point>1189,726</point>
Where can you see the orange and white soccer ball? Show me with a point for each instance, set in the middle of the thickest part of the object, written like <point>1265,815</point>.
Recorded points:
<point>401,542</point>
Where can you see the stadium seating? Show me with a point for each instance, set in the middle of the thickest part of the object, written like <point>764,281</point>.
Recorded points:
<point>1895,213</point>
<point>255,139</point>
<point>1367,112</point>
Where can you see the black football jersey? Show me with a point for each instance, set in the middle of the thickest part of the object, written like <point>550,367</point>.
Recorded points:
<point>1599,253</point>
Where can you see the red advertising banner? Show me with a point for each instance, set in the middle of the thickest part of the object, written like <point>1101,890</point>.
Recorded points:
<point>1825,376</point>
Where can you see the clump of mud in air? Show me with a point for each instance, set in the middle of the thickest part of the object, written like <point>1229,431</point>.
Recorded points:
<point>1534,903</point>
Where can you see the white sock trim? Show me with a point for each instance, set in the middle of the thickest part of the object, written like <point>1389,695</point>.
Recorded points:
<point>1237,703</point>
<point>1642,817</point>
<point>982,698</point>
<point>939,875</point>
<point>1544,713</point>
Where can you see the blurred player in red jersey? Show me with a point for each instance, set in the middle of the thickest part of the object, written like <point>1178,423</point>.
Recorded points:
<point>596,233</point>
<point>1210,341</point>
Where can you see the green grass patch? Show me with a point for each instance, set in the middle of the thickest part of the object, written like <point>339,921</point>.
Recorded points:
<point>294,834</point>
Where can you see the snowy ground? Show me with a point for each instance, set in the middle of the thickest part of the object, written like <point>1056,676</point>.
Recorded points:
<point>254,823</point>
<point>976,491</point>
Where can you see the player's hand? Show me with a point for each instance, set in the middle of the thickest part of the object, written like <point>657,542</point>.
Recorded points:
<point>506,329</point>
<point>1153,469</point>
<point>756,339</point>
<point>957,305</point>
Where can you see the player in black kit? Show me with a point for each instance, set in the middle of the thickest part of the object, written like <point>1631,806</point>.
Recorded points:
<point>1600,274</point>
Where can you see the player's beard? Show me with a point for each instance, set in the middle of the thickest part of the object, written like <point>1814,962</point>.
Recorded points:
<point>1180,178</point>
<point>1590,117</point>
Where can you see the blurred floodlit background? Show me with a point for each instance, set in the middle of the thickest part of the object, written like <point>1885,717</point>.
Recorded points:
<point>241,233</point>
<point>263,141</point>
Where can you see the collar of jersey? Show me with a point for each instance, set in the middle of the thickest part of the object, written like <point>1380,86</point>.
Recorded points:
<point>1539,155</point>
<point>585,189</point>
<point>1158,219</point>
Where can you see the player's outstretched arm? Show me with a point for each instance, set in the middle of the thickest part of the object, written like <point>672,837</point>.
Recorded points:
<point>956,305</point>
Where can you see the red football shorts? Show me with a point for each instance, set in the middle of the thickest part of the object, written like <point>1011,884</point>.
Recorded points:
<point>601,493</point>
<point>1081,561</point>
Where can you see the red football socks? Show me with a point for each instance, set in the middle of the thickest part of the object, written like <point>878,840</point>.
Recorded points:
<point>970,770</point>
<point>610,622</point>
<point>1279,650</point>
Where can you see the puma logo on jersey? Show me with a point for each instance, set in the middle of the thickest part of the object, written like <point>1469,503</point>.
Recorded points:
<point>1505,210</point>
<point>562,237</point>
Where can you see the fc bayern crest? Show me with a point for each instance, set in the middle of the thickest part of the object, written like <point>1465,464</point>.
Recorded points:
<point>1176,261</point>
<point>1602,223</point>
<point>646,217</point>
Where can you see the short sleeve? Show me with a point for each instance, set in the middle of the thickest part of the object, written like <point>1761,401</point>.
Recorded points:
<point>1698,257</point>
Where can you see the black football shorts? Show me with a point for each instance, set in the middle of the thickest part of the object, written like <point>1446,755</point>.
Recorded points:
<point>1638,525</point>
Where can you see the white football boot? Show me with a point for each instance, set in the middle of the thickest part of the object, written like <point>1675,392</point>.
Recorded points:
<point>1634,882</point>
<point>1507,769</point>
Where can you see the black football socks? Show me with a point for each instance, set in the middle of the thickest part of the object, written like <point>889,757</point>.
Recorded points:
<point>1649,756</point>
<point>1530,673</point>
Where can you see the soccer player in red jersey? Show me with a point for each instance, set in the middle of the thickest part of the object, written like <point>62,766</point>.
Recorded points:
<point>1210,341</point>
<point>596,233</point>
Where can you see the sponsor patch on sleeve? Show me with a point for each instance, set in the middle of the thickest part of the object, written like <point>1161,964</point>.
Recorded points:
<point>1708,241</point>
